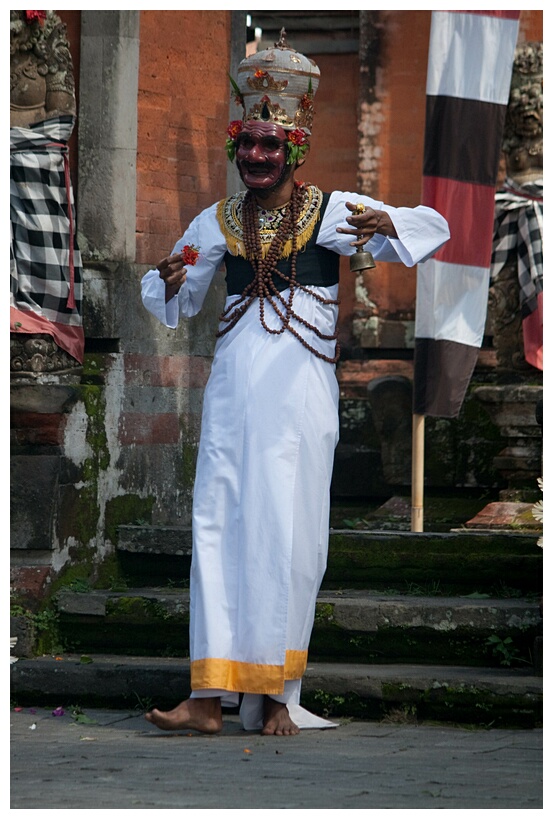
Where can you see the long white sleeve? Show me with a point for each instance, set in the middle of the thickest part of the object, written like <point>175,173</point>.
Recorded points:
<point>421,231</point>
<point>204,233</point>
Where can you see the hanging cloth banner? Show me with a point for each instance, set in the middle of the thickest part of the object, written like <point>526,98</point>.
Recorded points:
<point>470,64</point>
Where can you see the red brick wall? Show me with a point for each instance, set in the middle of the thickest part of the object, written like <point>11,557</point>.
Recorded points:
<point>333,158</point>
<point>333,161</point>
<point>401,90</point>
<point>402,137</point>
<point>531,26</point>
<point>183,100</point>
<point>405,59</point>
<point>182,112</point>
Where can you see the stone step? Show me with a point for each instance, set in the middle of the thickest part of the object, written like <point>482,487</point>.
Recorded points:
<point>475,631</point>
<point>174,541</point>
<point>397,693</point>
<point>353,625</point>
<point>461,561</point>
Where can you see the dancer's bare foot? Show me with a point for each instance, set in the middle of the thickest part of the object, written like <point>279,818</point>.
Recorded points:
<point>201,714</point>
<point>277,720</point>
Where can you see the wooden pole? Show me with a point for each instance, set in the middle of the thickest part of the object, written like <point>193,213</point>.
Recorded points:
<point>417,474</point>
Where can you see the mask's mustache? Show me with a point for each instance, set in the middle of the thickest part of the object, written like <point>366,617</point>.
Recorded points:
<point>261,166</point>
<point>258,166</point>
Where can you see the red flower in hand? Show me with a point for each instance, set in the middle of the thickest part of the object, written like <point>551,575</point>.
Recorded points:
<point>190,255</point>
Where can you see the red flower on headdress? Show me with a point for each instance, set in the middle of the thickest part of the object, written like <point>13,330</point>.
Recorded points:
<point>190,255</point>
<point>298,145</point>
<point>35,15</point>
<point>297,137</point>
<point>234,128</point>
<point>259,74</point>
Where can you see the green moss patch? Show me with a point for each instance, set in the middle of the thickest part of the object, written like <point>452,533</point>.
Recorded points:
<point>462,563</point>
<point>127,509</point>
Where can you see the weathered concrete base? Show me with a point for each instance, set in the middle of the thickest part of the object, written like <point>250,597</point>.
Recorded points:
<point>462,695</point>
<point>118,760</point>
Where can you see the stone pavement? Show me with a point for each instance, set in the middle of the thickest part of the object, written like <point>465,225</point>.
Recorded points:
<point>105,759</point>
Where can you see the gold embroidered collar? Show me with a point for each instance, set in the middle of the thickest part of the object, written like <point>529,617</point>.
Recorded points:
<point>229,217</point>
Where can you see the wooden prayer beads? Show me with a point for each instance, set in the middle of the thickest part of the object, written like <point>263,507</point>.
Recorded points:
<point>263,285</point>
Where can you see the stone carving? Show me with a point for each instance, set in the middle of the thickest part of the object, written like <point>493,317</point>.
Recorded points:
<point>523,133</point>
<point>42,116</point>
<point>506,321</point>
<point>41,68</point>
<point>35,355</point>
<point>516,284</point>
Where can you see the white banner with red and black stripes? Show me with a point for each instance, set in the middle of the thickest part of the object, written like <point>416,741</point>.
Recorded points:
<point>469,74</point>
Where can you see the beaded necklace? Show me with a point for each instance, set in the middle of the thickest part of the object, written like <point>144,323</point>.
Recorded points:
<point>265,267</point>
<point>230,220</point>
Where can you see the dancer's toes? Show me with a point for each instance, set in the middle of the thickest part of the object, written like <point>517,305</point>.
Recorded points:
<point>277,720</point>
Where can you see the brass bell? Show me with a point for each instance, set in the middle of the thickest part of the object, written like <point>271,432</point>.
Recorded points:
<point>361,260</point>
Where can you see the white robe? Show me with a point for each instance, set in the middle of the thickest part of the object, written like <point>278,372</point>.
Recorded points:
<point>261,495</point>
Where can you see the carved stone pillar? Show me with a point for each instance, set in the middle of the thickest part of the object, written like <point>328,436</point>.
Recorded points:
<point>45,293</point>
<point>45,321</point>
<point>516,270</point>
<point>505,323</point>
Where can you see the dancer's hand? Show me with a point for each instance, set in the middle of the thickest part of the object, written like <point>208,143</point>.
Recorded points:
<point>173,272</point>
<point>365,222</point>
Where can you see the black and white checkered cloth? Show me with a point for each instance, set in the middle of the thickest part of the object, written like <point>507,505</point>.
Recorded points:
<point>519,228</point>
<point>45,262</point>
